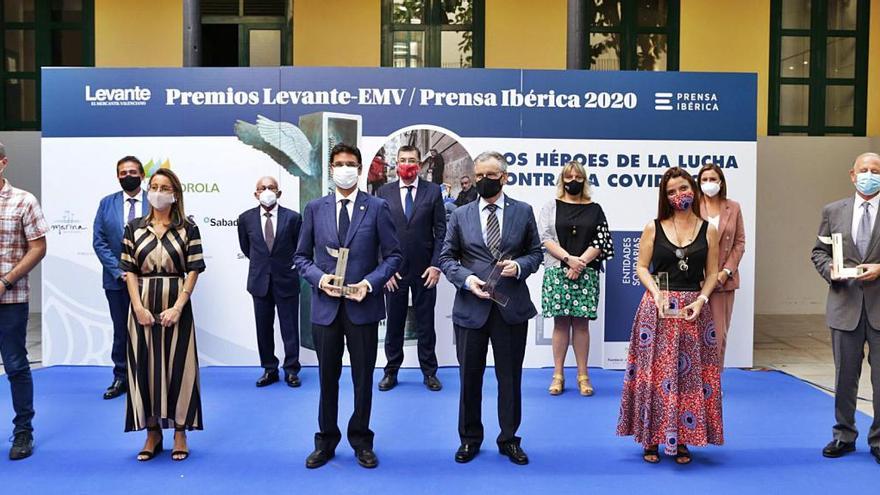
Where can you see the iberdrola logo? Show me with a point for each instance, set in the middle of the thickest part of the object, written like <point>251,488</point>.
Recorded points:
<point>151,166</point>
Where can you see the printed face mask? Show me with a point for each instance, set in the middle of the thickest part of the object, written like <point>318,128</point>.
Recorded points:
<point>682,201</point>
<point>574,187</point>
<point>408,171</point>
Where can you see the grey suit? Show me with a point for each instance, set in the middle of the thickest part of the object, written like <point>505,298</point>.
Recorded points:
<point>853,314</point>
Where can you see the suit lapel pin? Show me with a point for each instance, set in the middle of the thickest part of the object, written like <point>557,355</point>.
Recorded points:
<point>362,207</point>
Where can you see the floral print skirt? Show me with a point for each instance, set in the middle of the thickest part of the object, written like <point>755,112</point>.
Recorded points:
<point>672,384</point>
<point>561,296</point>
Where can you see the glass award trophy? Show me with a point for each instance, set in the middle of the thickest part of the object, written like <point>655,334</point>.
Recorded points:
<point>671,304</point>
<point>341,256</point>
<point>491,285</point>
<point>836,242</point>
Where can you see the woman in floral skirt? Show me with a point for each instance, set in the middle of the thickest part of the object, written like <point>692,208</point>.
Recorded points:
<point>672,384</point>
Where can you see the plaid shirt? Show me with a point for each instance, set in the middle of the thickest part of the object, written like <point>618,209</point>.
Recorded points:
<point>21,220</point>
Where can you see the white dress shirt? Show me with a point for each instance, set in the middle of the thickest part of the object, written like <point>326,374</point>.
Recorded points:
<point>273,218</point>
<point>403,190</point>
<point>138,205</point>
<point>350,207</point>
<point>499,212</point>
<point>859,210</point>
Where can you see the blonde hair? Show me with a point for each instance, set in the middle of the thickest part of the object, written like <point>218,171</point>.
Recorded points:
<point>577,168</point>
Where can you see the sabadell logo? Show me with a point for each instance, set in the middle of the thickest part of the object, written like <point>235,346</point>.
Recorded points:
<point>153,165</point>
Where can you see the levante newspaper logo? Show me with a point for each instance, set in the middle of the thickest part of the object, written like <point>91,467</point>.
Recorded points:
<point>117,97</point>
<point>686,102</point>
<point>153,165</point>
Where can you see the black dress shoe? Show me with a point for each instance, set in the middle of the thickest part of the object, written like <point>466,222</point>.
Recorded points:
<point>875,451</point>
<point>433,383</point>
<point>388,382</point>
<point>318,458</point>
<point>117,388</point>
<point>292,380</point>
<point>466,452</point>
<point>367,458</point>
<point>268,378</point>
<point>836,448</point>
<point>514,452</point>
<point>22,446</point>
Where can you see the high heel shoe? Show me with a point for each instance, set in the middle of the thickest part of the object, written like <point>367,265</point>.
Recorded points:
<point>183,453</point>
<point>557,385</point>
<point>584,385</point>
<point>146,455</point>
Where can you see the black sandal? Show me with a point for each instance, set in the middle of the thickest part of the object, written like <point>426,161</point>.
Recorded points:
<point>683,455</point>
<point>146,455</point>
<point>652,451</point>
<point>184,453</point>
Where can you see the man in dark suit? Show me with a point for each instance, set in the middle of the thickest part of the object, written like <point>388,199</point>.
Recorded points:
<point>420,220</point>
<point>346,311</point>
<point>853,309</point>
<point>436,165</point>
<point>467,193</point>
<point>268,236</point>
<point>114,212</point>
<point>496,230</point>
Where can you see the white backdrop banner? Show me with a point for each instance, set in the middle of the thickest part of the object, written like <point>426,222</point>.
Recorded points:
<point>222,129</point>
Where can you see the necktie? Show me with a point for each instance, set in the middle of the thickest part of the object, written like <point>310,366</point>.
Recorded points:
<point>131,202</point>
<point>493,231</point>
<point>408,204</point>
<point>344,221</point>
<point>864,235</point>
<point>268,231</point>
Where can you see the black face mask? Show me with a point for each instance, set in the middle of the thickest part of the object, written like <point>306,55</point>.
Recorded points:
<point>574,187</point>
<point>488,188</point>
<point>130,183</point>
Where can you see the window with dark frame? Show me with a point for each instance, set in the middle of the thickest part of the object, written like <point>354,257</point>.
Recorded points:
<point>433,33</point>
<point>632,34</point>
<point>36,34</point>
<point>818,67</point>
<point>246,33</point>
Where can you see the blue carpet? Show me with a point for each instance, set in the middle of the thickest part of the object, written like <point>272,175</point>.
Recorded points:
<point>256,441</point>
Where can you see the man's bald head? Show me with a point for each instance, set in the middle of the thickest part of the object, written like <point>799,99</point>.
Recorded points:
<point>864,158</point>
<point>267,182</point>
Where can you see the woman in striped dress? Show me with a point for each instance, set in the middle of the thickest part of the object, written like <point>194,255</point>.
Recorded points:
<point>162,258</point>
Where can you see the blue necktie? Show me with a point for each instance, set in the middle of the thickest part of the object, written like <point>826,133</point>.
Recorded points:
<point>344,221</point>
<point>131,201</point>
<point>864,233</point>
<point>408,204</point>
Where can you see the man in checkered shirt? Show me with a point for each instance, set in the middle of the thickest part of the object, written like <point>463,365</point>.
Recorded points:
<point>22,245</point>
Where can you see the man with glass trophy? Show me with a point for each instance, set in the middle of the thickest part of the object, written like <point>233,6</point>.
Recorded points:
<point>491,247</point>
<point>847,256</point>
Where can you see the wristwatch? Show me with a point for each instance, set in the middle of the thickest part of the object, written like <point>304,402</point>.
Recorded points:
<point>6,283</point>
<point>727,271</point>
<point>565,259</point>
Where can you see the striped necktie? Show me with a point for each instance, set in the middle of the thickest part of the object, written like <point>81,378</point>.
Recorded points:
<point>493,231</point>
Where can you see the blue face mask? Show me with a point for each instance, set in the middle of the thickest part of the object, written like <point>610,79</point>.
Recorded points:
<point>868,183</point>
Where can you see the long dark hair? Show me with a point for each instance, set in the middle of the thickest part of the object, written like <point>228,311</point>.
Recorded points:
<point>711,167</point>
<point>664,209</point>
<point>178,214</point>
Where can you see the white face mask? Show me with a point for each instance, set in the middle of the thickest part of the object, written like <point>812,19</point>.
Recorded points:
<point>268,198</point>
<point>710,188</point>
<point>345,177</point>
<point>161,200</point>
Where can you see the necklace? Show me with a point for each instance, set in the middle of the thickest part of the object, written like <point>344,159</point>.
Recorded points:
<point>682,252</point>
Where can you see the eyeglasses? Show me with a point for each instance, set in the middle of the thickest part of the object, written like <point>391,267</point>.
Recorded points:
<point>164,189</point>
<point>492,176</point>
<point>407,160</point>
<point>345,164</point>
<point>269,188</point>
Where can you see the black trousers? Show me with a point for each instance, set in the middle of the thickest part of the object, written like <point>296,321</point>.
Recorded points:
<point>508,348</point>
<point>362,342</point>
<point>119,303</point>
<point>424,300</point>
<point>288,318</point>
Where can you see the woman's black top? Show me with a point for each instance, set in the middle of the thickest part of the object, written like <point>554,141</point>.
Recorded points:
<point>667,257</point>
<point>579,226</point>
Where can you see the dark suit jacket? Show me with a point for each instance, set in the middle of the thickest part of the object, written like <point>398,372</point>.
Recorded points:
<point>465,253</point>
<point>465,197</point>
<point>107,237</point>
<point>845,298</point>
<point>421,238</point>
<point>374,256</point>
<point>276,265</point>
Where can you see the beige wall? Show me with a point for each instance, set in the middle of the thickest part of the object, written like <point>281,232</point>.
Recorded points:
<point>138,33</point>
<point>319,41</point>
<point>797,176</point>
<point>525,34</point>
<point>728,36</point>
<point>874,71</point>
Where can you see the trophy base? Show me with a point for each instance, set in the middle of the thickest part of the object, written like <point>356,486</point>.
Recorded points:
<point>847,273</point>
